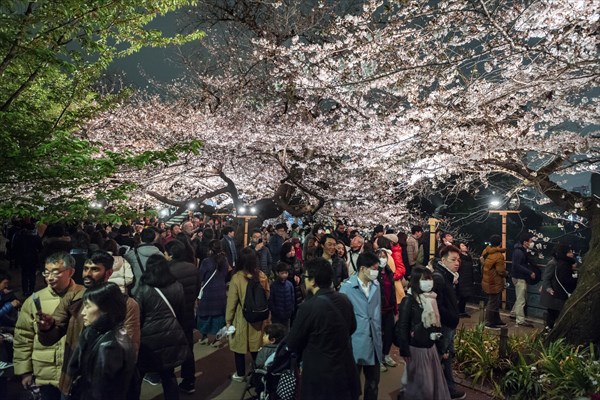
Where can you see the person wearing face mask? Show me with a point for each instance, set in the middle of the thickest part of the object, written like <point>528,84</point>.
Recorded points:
<point>416,333</point>
<point>520,274</point>
<point>389,308</point>
<point>363,291</point>
<point>445,278</point>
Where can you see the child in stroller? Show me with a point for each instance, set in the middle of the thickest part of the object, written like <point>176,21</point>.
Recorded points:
<point>273,361</point>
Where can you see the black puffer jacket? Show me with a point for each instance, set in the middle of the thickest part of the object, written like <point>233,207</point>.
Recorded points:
<point>409,330</point>
<point>102,364</point>
<point>186,273</point>
<point>443,286</point>
<point>163,345</point>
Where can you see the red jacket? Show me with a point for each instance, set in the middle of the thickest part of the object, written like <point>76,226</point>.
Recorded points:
<point>400,267</point>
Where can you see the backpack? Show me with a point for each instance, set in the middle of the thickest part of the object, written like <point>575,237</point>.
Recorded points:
<point>256,305</point>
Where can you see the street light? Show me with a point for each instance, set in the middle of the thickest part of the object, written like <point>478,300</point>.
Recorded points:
<point>495,203</point>
<point>242,210</point>
<point>192,206</point>
<point>253,210</point>
<point>164,212</point>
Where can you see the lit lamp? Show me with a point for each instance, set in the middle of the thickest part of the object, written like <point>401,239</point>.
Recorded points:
<point>241,211</point>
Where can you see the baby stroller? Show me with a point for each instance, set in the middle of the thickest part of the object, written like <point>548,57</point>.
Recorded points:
<point>277,381</point>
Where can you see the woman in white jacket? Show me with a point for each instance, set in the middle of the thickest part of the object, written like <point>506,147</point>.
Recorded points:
<point>122,272</point>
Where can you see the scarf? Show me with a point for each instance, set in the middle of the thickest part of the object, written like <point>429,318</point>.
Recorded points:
<point>430,315</point>
<point>454,274</point>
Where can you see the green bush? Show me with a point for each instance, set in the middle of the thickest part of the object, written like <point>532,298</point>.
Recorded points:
<point>530,369</point>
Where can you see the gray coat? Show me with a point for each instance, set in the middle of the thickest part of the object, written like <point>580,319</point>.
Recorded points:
<point>143,251</point>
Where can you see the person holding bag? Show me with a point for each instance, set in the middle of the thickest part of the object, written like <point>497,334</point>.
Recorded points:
<point>163,344</point>
<point>247,336</point>
<point>212,297</point>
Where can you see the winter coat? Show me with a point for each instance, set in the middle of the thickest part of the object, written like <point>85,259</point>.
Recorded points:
<point>102,365</point>
<point>143,251</point>
<point>296,270</point>
<point>68,323</point>
<point>340,271</point>
<point>366,339</point>
<point>520,264</point>
<point>409,330</point>
<point>321,334</point>
<point>164,345</point>
<point>412,249</point>
<point>265,260</point>
<point>230,249</point>
<point>564,282</point>
<point>214,295</point>
<point>398,261</point>
<point>494,270</point>
<point>466,284</point>
<point>186,273</point>
<point>282,300</point>
<point>398,273</point>
<point>389,304</point>
<point>122,273</point>
<point>275,243</point>
<point>443,286</point>
<point>247,337</point>
<point>551,302</point>
<point>30,356</point>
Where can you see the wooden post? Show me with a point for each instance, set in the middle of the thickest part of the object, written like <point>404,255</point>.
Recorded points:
<point>246,218</point>
<point>432,228</point>
<point>504,213</point>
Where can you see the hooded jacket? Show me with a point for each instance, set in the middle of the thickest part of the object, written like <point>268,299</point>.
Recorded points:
<point>494,270</point>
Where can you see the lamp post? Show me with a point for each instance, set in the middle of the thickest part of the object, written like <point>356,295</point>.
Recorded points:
<point>246,216</point>
<point>503,213</point>
<point>433,223</point>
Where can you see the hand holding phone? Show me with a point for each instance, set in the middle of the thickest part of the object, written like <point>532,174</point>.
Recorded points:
<point>37,303</point>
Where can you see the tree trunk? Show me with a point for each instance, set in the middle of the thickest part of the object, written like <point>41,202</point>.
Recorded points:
<point>579,321</point>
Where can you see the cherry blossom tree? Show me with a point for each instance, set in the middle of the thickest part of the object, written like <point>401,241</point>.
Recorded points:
<point>369,107</point>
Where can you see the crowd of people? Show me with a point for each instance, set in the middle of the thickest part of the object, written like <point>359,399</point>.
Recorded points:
<point>120,305</point>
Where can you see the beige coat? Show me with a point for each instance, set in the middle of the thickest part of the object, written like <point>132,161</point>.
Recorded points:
<point>31,357</point>
<point>247,337</point>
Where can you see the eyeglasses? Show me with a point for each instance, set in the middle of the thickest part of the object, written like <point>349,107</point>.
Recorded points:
<point>307,276</point>
<point>55,273</point>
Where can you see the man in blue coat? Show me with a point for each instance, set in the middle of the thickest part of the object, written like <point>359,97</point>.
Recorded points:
<point>363,292</point>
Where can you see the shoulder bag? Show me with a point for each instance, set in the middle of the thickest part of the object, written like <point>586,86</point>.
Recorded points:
<point>203,286</point>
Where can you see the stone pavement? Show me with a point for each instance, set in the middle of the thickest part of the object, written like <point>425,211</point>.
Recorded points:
<point>215,366</point>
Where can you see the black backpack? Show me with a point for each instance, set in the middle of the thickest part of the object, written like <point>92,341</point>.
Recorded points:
<point>256,305</point>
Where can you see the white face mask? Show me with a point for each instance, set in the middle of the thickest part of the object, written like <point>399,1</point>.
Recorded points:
<point>373,273</point>
<point>382,262</point>
<point>426,286</point>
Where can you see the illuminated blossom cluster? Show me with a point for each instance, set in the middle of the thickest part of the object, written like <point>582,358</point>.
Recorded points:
<point>381,104</point>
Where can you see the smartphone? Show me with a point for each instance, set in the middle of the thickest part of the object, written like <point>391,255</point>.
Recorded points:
<point>37,303</point>
<point>260,240</point>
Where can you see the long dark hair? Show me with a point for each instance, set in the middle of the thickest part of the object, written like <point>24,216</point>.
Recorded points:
<point>216,252</point>
<point>248,262</point>
<point>157,273</point>
<point>416,275</point>
<point>110,301</point>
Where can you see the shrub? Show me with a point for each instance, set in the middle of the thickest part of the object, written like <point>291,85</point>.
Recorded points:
<point>530,369</point>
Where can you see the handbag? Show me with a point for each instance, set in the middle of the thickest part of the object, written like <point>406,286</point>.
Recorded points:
<point>203,286</point>
<point>286,387</point>
<point>561,285</point>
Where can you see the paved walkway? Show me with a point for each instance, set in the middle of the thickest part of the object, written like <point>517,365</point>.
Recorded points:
<point>215,366</point>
